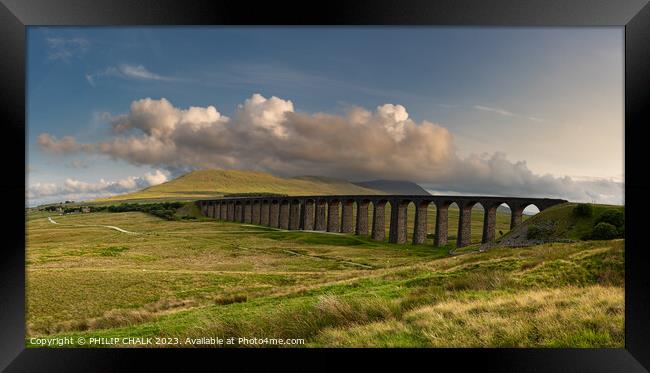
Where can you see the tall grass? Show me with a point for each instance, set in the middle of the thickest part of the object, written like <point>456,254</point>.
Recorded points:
<point>566,317</point>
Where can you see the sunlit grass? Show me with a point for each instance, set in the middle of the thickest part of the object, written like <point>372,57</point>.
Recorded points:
<point>204,278</point>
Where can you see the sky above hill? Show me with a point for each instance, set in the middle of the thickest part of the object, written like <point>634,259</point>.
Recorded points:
<point>493,111</point>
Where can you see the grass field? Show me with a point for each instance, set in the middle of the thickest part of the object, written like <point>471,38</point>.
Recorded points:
<point>204,278</point>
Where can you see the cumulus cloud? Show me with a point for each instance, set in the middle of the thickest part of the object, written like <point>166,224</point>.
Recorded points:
<point>49,143</point>
<point>494,174</point>
<point>267,134</point>
<point>158,177</point>
<point>72,189</point>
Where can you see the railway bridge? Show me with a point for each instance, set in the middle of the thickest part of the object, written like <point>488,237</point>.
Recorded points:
<point>336,213</point>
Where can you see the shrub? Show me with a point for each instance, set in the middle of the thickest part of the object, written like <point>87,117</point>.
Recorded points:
<point>536,232</point>
<point>583,210</point>
<point>613,217</point>
<point>165,210</point>
<point>533,232</point>
<point>604,231</point>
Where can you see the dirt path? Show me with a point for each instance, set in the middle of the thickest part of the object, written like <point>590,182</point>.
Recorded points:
<point>92,225</point>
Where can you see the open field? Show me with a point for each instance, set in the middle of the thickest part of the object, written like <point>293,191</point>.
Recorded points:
<point>203,278</point>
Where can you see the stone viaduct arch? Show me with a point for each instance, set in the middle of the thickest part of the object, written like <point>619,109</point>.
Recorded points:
<point>336,214</point>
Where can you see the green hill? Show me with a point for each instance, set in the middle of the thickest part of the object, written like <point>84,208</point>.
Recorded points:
<point>558,223</point>
<point>214,183</point>
<point>395,187</point>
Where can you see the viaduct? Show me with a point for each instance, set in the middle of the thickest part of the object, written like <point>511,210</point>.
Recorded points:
<point>334,213</point>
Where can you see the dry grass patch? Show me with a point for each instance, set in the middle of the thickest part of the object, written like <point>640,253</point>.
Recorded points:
<point>565,317</point>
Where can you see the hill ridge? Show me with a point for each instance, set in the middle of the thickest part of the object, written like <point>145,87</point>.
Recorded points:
<point>394,187</point>
<point>209,183</point>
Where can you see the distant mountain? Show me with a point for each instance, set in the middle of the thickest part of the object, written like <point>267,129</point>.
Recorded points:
<point>394,187</point>
<point>212,183</point>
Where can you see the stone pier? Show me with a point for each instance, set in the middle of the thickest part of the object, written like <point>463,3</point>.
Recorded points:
<point>489,222</point>
<point>333,221</point>
<point>420,225</point>
<point>264,213</point>
<point>294,215</point>
<point>378,220</point>
<point>397,229</point>
<point>308,215</point>
<point>464,236</point>
<point>257,205</point>
<point>516,214</point>
<point>320,224</point>
<point>442,214</point>
<point>362,218</point>
<point>274,214</point>
<point>239,212</point>
<point>248,213</point>
<point>347,222</point>
<point>284,214</point>
<point>231,211</point>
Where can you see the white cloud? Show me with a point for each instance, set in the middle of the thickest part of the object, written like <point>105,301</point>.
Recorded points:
<point>140,72</point>
<point>267,114</point>
<point>91,79</point>
<point>506,113</point>
<point>50,143</point>
<point>394,118</point>
<point>72,189</point>
<point>126,71</point>
<point>158,177</point>
<point>267,134</point>
<point>495,110</point>
<point>66,49</point>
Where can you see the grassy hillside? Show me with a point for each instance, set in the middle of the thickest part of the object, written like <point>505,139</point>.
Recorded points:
<point>395,187</point>
<point>561,222</point>
<point>205,278</point>
<point>213,183</point>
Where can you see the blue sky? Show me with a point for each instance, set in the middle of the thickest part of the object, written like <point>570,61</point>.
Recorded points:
<point>552,97</point>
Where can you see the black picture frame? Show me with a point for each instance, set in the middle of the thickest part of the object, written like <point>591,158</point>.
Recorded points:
<point>634,15</point>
